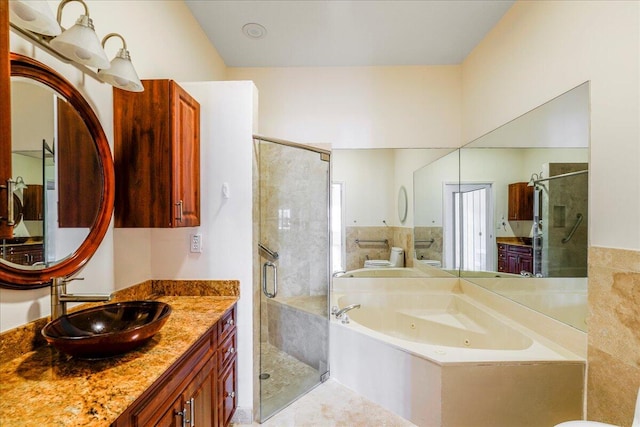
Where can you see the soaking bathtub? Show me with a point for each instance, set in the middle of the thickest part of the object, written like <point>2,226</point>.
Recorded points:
<point>436,352</point>
<point>395,272</point>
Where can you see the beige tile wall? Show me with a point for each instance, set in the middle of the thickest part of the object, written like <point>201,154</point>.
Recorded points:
<point>614,335</point>
<point>396,236</point>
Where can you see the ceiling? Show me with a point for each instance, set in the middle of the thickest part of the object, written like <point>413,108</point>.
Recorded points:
<point>347,33</point>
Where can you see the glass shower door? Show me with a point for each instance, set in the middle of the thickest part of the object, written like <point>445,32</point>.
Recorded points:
<point>293,253</point>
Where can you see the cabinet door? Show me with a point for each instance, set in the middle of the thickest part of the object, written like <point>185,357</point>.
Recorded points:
<point>157,156</point>
<point>141,125</point>
<point>227,395</point>
<point>33,204</point>
<point>185,158</point>
<point>513,263</point>
<point>526,263</point>
<point>520,202</point>
<point>173,416</point>
<point>199,407</point>
<point>202,405</point>
<point>78,163</point>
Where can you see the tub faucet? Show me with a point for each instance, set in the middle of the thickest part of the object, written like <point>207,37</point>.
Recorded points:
<point>340,313</point>
<point>60,297</point>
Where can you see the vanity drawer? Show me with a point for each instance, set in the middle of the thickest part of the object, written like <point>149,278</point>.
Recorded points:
<point>521,250</point>
<point>227,323</point>
<point>227,350</point>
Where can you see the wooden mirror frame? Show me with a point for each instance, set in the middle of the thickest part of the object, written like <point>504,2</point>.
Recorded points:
<point>16,278</point>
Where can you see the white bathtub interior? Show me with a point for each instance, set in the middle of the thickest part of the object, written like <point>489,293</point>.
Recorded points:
<point>446,352</point>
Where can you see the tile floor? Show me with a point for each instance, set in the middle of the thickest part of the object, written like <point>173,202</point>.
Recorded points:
<point>288,378</point>
<point>333,405</point>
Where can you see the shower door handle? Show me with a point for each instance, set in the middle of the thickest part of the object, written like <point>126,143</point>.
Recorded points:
<point>265,267</point>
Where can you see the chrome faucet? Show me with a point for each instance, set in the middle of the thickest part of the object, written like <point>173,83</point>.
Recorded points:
<point>340,313</point>
<point>60,297</point>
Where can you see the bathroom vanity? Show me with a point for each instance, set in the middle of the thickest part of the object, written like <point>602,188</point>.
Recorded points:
<point>186,372</point>
<point>199,389</point>
<point>515,255</point>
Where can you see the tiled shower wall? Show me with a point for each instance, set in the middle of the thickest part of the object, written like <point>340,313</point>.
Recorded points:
<point>566,198</point>
<point>614,335</point>
<point>357,253</point>
<point>429,242</point>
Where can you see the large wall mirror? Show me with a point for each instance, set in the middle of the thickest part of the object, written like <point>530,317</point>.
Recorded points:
<point>523,205</point>
<point>373,208</point>
<point>61,178</point>
<point>508,211</point>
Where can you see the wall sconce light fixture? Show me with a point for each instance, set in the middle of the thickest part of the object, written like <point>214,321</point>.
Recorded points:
<point>34,16</point>
<point>19,184</point>
<point>78,45</point>
<point>121,73</point>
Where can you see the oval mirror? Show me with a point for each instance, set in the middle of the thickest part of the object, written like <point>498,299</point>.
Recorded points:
<point>61,155</point>
<point>402,204</point>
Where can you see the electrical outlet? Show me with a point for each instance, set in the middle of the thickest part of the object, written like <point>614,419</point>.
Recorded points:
<point>196,243</point>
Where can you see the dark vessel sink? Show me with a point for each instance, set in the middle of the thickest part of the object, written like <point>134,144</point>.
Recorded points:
<point>107,330</point>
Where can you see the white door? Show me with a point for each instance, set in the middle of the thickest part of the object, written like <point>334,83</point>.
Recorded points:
<point>469,216</point>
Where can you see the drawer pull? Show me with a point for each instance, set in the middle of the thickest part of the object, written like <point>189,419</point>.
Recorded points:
<point>182,414</point>
<point>231,394</point>
<point>230,322</point>
<point>231,350</point>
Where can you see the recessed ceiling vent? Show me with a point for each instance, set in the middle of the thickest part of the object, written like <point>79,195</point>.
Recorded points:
<point>254,31</point>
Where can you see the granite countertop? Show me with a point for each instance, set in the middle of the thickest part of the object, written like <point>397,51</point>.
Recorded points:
<point>518,241</point>
<point>47,388</point>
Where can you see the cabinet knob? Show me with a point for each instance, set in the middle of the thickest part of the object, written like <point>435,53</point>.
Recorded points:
<point>231,394</point>
<point>230,322</point>
<point>231,350</point>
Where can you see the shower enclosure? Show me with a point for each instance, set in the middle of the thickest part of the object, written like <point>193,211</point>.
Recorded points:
<point>560,221</point>
<point>291,271</point>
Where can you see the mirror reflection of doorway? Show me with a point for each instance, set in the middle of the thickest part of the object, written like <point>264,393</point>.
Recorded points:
<point>468,209</point>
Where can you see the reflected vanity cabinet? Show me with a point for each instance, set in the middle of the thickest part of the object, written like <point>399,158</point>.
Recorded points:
<point>515,258</point>
<point>157,156</point>
<point>520,202</point>
<point>198,390</point>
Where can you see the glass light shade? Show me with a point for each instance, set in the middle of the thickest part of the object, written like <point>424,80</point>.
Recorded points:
<point>80,43</point>
<point>35,16</point>
<point>121,74</point>
<point>20,184</point>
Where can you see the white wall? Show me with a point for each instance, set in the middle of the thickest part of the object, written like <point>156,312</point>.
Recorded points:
<point>373,178</point>
<point>360,107</point>
<point>368,185</point>
<point>541,49</point>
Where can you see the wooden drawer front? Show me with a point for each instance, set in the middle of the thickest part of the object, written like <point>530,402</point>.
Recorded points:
<point>521,250</point>
<point>227,394</point>
<point>227,350</point>
<point>227,324</point>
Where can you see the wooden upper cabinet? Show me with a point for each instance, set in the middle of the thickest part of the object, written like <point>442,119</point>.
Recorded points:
<point>5,118</point>
<point>157,156</point>
<point>33,203</point>
<point>78,170</point>
<point>520,202</point>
